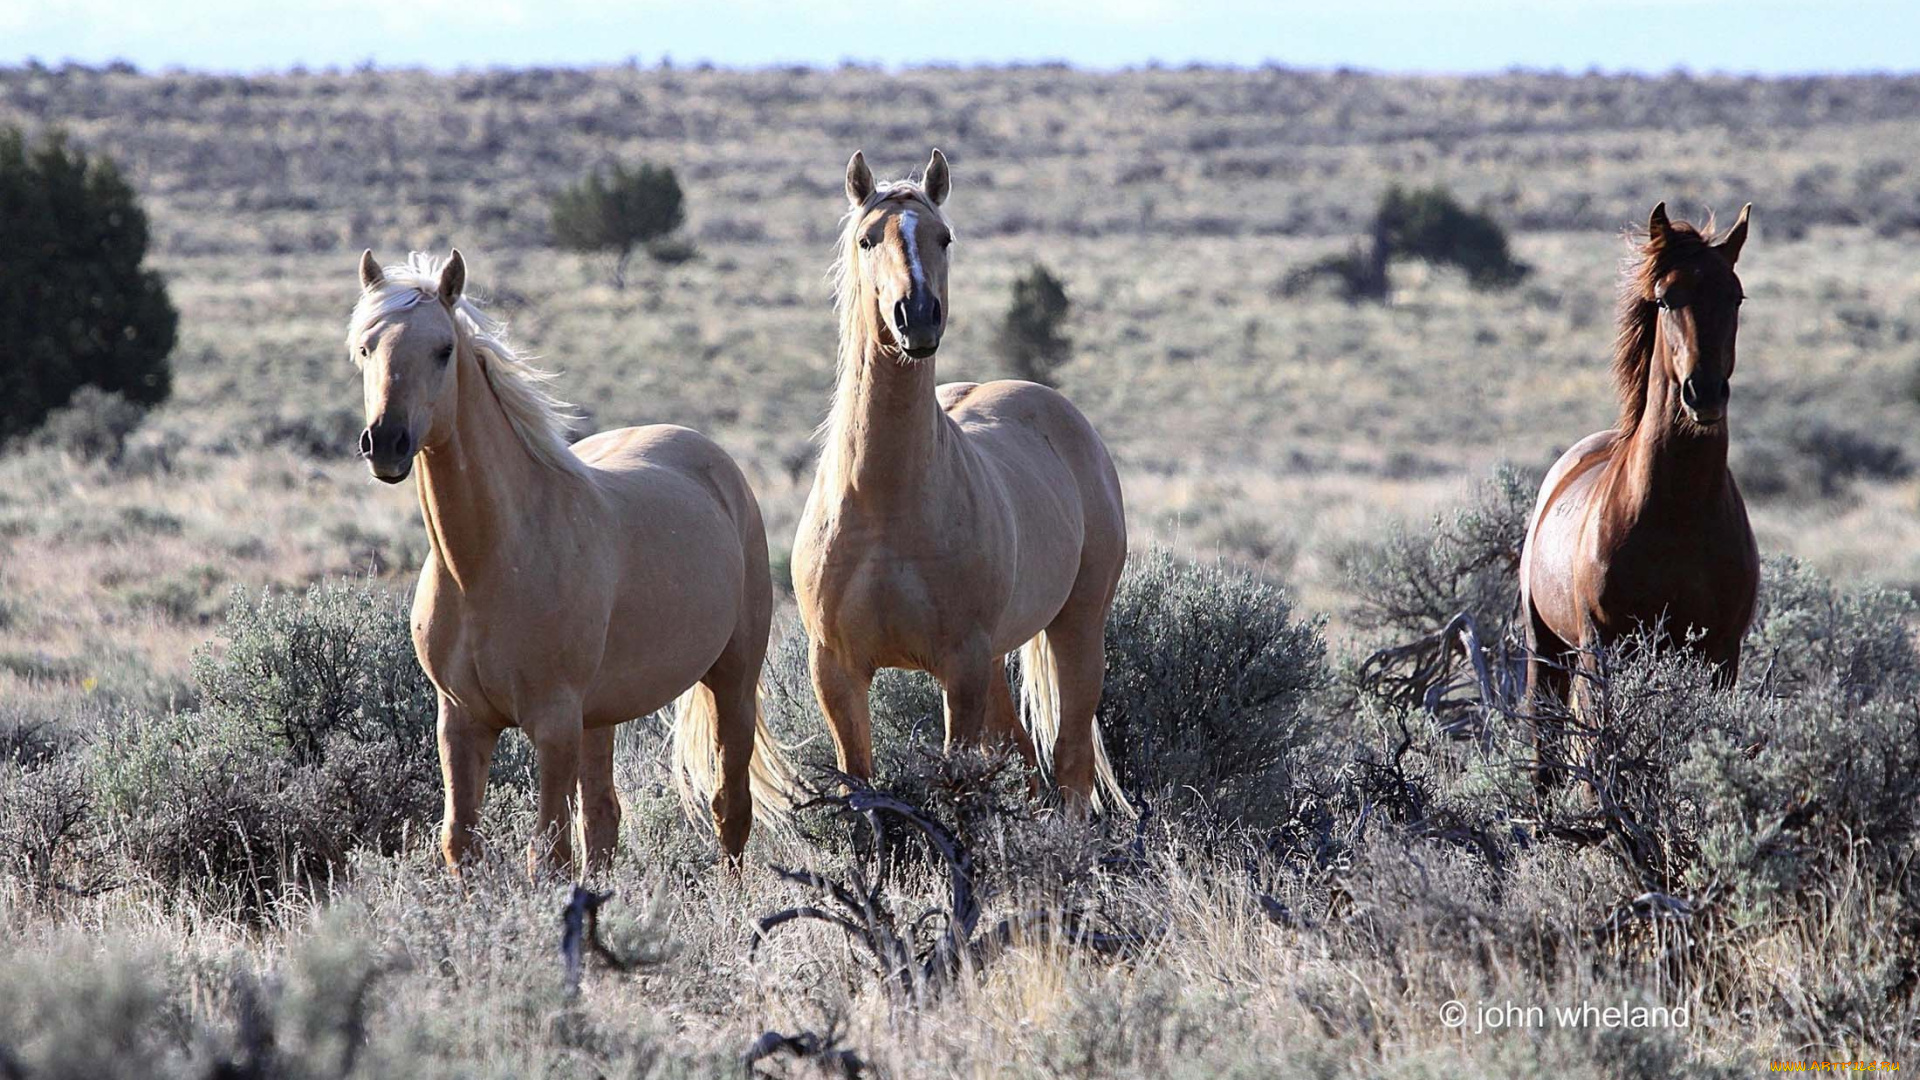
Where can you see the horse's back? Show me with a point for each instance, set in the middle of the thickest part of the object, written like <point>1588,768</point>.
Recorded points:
<point>634,459</point>
<point>1012,416</point>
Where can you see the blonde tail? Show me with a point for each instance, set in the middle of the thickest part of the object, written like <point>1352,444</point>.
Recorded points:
<point>1040,712</point>
<point>770,777</point>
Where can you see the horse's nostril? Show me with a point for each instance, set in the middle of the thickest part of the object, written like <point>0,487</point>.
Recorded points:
<point>933,310</point>
<point>900,315</point>
<point>366,442</point>
<point>402,444</point>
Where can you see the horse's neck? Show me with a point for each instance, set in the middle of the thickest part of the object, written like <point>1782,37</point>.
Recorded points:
<point>1673,468</point>
<point>887,429</point>
<point>478,484</point>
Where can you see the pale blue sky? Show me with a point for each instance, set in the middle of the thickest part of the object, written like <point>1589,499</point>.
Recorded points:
<point>1767,36</point>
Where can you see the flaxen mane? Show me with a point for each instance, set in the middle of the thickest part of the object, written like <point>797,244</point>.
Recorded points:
<point>1638,314</point>
<point>542,420</point>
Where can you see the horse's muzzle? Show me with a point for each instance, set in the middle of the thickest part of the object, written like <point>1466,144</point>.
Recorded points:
<point>388,451</point>
<point>917,325</point>
<point>1705,399</point>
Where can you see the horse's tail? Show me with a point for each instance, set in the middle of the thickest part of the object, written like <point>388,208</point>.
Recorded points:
<point>1040,712</point>
<point>770,778</point>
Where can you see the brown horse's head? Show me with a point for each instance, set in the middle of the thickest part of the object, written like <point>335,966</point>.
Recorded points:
<point>404,337</point>
<point>896,265</point>
<point>1686,296</point>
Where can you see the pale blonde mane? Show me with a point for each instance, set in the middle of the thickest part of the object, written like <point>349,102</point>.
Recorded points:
<point>542,420</point>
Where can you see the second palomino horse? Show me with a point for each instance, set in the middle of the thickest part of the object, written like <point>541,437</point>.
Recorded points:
<point>951,525</point>
<point>566,588</point>
<point>1642,526</point>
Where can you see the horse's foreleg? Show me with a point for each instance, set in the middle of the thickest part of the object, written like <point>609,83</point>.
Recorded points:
<point>736,706</point>
<point>466,753</point>
<point>842,690</point>
<point>599,801</point>
<point>555,730</point>
<point>966,678</point>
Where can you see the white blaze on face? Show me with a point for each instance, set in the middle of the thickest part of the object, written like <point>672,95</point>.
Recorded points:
<point>908,222</point>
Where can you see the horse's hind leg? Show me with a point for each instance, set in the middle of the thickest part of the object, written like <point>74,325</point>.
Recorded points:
<point>599,802</point>
<point>466,753</point>
<point>736,706</point>
<point>1078,639</point>
<point>1548,697</point>
<point>1003,719</point>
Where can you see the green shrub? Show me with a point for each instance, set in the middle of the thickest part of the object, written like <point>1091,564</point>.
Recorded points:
<point>1430,224</point>
<point>76,308</point>
<point>619,209</point>
<point>1422,223</point>
<point>1031,338</point>
<point>1467,560</point>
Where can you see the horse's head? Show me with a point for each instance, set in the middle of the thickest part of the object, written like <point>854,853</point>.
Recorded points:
<point>404,339</point>
<point>1697,299</point>
<point>899,258</point>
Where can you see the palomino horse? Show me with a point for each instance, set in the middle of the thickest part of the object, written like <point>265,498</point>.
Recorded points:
<point>951,525</point>
<point>1642,526</point>
<point>568,588</point>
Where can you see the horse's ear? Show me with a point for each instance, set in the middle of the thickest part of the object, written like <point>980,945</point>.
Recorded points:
<point>859,179</point>
<point>1657,224</point>
<point>1736,236</point>
<point>939,181</point>
<point>453,279</point>
<point>370,275</point>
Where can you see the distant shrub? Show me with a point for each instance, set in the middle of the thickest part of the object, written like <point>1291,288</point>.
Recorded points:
<point>1207,674</point>
<point>1421,223</point>
<point>616,210</point>
<point>1032,337</point>
<point>1811,458</point>
<point>1430,224</point>
<point>1466,560</point>
<point>76,307</point>
<point>93,426</point>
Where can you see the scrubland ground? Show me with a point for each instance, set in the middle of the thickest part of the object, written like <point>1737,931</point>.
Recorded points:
<point>192,883</point>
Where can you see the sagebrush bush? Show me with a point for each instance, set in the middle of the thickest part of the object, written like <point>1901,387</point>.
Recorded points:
<point>314,737</point>
<point>93,426</point>
<point>1207,674</point>
<point>1467,560</point>
<point>336,659</point>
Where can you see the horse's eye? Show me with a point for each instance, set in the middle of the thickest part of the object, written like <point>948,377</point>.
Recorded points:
<point>445,354</point>
<point>946,241</point>
<point>866,243</point>
<point>364,353</point>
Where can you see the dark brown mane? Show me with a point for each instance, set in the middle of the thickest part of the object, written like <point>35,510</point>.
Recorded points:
<point>1633,343</point>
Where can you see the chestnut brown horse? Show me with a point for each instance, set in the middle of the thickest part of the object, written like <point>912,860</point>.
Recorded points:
<point>950,525</point>
<point>567,588</point>
<point>1642,526</point>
